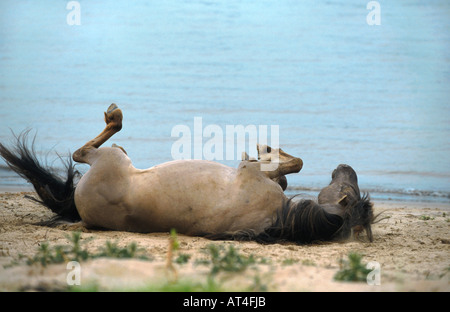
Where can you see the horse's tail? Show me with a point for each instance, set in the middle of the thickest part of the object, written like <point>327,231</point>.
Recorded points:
<point>55,193</point>
<point>305,221</point>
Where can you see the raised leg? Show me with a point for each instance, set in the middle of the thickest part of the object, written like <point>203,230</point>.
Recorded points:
<point>113,119</point>
<point>276,163</point>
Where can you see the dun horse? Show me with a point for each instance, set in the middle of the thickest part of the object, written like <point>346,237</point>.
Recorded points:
<point>195,197</point>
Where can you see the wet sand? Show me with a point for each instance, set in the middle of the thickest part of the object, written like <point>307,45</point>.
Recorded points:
<point>411,245</point>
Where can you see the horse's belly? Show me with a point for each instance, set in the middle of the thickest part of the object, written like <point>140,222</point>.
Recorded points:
<point>196,197</point>
<point>193,197</point>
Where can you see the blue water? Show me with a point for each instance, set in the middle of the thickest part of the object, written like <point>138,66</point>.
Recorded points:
<point>341,91</point>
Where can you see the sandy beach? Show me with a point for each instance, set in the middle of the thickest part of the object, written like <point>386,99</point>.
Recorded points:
<point>411,245</point>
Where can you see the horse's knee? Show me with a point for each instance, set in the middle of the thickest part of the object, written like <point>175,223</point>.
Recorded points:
<point>77,156</point>
<point>81,154</point>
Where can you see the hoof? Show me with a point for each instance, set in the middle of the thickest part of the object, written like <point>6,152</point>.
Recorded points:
<point>113,117</point>
<point>111,108</point>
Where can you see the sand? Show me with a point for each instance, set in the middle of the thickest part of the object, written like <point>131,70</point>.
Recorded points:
<point>411,246</point>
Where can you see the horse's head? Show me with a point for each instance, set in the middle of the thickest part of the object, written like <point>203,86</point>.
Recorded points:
<point>344,181</point>
<point>343,192</point>
<point>343,189</point>
<point>359,217</point>
<point>344,173</point>
<point>358,209</point>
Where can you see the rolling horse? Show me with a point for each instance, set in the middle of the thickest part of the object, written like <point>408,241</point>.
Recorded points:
<point>195,197</point>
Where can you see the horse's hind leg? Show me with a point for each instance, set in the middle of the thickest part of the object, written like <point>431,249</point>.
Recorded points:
<point>113,119</point>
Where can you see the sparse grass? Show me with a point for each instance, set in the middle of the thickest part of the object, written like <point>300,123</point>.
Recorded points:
<point>425,218</point>
<point>220,258</point>
<point>112,250</point>
<point>182,258</point>
<point>289,261</point>
<point>226,260</point>
<point>352,269</point>
<point>308,262</point>
<point>75,252</point>
<point>58,254</point>
<point>264,260</point>
<point>210,285</point>
<point>258,284</point>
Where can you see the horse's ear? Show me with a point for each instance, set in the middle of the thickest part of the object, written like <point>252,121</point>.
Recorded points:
<point>343,201</point>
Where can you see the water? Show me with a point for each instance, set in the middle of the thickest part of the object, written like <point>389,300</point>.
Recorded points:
<point>341,91</point>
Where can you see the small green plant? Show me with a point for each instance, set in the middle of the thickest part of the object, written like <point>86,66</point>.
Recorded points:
<point>58,254</point>
<point>352,269</point>
<point>226,260</point>
<point>425,218</point>
<point>112,250</point>
<point>77,252</point>
<point>258,284</point>
<point>43,256</point>
<point>182,258</point>
<point>174,245</point>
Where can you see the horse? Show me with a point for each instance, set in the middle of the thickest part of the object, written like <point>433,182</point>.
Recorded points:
<point>194,197</point>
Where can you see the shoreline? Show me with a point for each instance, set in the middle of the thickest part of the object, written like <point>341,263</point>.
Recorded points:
<point>411,244</point>
<point>16,189</point>
<point>410,200</point>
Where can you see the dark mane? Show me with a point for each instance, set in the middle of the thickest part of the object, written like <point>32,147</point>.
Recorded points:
<point>359,214</point>
<point>305,221</point>
<point>302,222</point>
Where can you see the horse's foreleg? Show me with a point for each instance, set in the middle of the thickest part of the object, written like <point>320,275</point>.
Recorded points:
<point>276,163</point>
<point>287,164</point>
<point>113,119</point>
